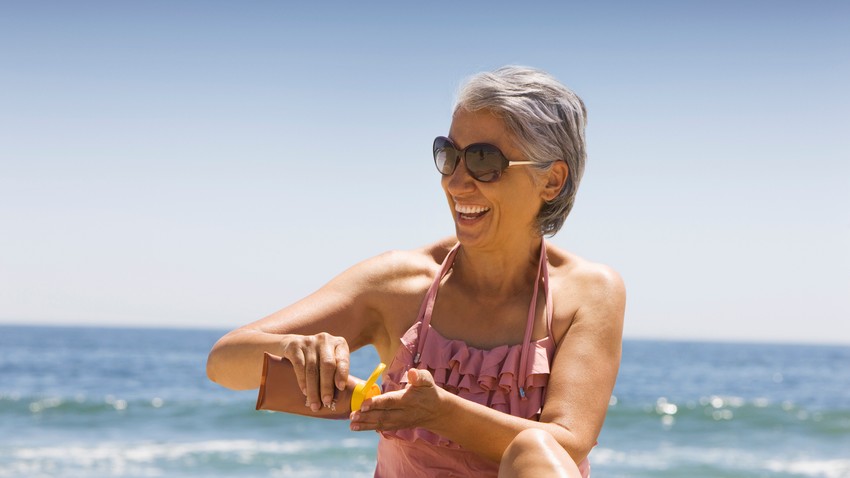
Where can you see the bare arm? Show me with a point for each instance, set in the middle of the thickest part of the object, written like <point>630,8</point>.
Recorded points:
<point>315,334</point>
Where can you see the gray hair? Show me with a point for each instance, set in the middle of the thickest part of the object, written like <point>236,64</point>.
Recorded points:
<point>546,118</point>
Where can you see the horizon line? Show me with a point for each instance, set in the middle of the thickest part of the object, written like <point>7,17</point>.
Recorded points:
<point>224,329</point>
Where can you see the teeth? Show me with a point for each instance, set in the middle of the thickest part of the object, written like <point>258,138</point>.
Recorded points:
<point>470,209</point>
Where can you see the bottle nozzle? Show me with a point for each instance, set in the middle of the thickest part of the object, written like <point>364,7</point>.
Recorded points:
<point>367,389</point>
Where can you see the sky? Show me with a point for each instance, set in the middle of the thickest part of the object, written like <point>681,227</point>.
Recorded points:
<point>203,164</point>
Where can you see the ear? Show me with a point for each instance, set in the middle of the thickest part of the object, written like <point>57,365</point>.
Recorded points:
<point>556,178</point>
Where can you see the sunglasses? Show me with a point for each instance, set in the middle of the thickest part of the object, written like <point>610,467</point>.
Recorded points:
<point>484,161</point>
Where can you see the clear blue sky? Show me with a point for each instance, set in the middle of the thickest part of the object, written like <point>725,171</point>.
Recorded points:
<point>203,164</point>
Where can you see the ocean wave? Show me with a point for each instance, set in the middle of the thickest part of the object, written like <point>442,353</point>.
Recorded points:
<point>757,413</point>
<point>146,419</point>
<point>839,468</point>
<point>355,456</point>
<point>716,461</point>
<point>81,403</point>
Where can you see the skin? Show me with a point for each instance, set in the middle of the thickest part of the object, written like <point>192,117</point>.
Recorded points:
<point>535,454</point>
<point>483,301</point>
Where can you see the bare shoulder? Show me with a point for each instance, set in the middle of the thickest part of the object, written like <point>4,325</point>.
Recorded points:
<point>391,286</point>
<point>393,283</point>
<point>584,290</point>
<point>581,273</point>
<point>392,269</point>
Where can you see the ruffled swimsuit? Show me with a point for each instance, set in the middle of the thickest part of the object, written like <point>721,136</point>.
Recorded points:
<point>508,378</point>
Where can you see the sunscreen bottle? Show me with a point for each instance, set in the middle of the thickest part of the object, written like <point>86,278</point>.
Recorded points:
<point>279,391</point>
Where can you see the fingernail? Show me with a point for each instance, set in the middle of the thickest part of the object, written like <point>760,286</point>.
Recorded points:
<point>355,428</point>
<point>364,408</point>
<point>340,386</point>
<point>355,416</point>
<point>315,407</point>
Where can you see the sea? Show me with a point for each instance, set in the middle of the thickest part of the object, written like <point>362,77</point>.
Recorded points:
<point>120,402</point>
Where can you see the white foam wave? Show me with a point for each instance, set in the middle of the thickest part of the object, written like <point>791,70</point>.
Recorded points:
<point>820,468</point>
<point>151,459</point>
<point>670,457</point>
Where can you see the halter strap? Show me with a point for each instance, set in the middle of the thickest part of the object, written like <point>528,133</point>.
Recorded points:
<point>428,304</point>
<point>427,309</point>
<point>542,276</point>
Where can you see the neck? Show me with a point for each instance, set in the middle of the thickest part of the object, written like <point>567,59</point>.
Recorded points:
<point>502,272</point>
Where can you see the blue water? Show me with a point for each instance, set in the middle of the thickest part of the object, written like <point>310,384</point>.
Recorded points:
<point>92,402</point>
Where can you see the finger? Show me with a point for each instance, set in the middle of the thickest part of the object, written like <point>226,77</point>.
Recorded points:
<point>311,374</point>
<point>386,401</point>
<point>296,357</point>
<point>343,364</point>
<point>377,420</point>
<point>420,378</point>
<point>327,371</point>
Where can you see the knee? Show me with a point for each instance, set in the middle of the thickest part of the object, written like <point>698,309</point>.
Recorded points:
<point>536,453</point>
<point>529,441</point>
<point>533,437</point>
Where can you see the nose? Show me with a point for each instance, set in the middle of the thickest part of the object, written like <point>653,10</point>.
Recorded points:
<point>460,180</point>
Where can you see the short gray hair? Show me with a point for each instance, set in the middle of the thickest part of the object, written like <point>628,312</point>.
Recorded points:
<point>546,118</point>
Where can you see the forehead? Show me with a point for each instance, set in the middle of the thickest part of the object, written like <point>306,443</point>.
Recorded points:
<point>481,126</point>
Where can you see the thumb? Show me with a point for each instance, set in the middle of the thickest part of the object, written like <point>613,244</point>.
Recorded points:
<point>420,378</point>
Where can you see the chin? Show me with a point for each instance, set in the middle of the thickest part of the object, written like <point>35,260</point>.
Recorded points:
<point>469,238</point>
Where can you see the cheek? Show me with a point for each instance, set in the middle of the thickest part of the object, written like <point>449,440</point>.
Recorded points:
<point>524,198</point>
<point>444,184</point>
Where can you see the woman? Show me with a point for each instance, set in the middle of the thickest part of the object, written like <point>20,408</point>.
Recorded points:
<point>523,335</point>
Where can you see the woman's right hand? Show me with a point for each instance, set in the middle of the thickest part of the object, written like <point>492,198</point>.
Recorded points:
<point>321,363</point>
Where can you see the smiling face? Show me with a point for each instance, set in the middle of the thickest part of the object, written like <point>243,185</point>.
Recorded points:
<point>492,215</point>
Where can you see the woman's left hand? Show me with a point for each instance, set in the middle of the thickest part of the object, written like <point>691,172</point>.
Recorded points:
<point>415,406</point>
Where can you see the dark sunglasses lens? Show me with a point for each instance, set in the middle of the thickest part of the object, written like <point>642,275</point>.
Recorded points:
<point>485,162</point>
<point>445,156</point>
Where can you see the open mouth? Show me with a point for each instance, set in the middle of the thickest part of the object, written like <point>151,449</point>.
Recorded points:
<point>470,213</point>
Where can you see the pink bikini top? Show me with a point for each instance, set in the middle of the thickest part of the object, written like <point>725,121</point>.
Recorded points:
<point>428,307</point>
<point>508,378</point>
